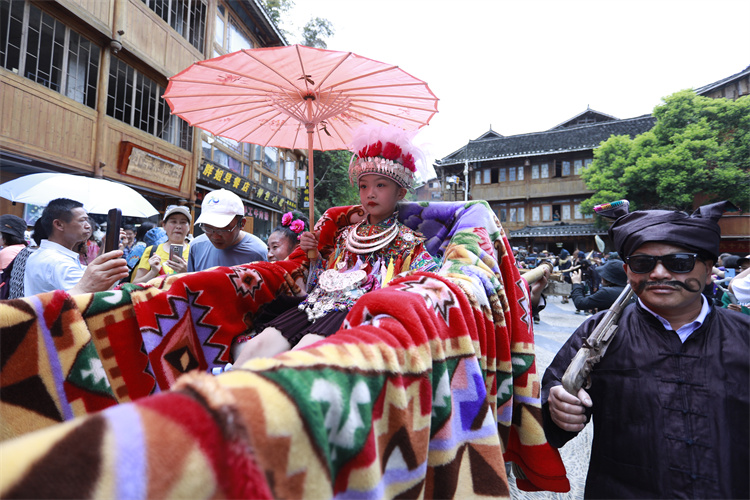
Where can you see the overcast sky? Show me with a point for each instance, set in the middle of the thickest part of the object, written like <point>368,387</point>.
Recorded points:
<point>527,65</point>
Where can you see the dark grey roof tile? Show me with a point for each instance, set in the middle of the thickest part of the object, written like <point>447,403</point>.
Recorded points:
<point>577,138</point>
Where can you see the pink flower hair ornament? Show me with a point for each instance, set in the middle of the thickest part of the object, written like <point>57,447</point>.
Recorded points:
<point>295,225</point>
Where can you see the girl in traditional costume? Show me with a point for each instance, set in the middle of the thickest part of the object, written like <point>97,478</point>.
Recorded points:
<point>365,257</point>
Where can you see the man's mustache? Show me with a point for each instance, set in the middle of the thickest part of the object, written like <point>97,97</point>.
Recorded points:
<point>692,285</point>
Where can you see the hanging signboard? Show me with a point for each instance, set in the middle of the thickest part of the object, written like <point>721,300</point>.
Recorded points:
<point>227,179</point>
<point>306,192</point>
<point>149,165</point>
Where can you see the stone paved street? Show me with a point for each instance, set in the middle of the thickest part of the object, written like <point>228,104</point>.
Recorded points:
<point>558,322</point>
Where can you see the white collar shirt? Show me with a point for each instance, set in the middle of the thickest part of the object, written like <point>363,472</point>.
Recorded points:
<point>685,330</point>
<point>52,267</point>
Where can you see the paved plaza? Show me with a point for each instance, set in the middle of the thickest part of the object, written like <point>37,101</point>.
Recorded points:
<point>558,322</point>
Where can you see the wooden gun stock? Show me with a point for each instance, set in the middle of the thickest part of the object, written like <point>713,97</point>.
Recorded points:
<point>577,375</point>
<point>534,275</point>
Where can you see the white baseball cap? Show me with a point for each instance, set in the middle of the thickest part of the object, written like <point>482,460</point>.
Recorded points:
<point>177,209</point>
<point>219,208</point>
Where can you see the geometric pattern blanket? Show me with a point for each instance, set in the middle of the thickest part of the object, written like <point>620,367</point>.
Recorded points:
<point>428,390</point>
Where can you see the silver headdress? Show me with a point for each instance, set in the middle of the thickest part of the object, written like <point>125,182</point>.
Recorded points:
<point>386,151</point>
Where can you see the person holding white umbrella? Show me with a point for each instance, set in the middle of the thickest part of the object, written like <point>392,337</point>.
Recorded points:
<point>55,266</point>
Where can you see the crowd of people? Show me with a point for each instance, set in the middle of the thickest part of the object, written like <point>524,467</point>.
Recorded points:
<point>596,279</point>
<point>64,250</point>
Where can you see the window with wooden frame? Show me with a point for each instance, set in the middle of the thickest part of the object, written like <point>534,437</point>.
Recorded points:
<point>186,17</point>
<point>136,99</point>
<point>546,213</point>
<point>566,212</point>
<point>37,46</point>
<point>271,159</point>
<point>229,33</point>
<point>228,153</point>
<point>565,168</point>
<point>577,211</point>
<point>577,167</point>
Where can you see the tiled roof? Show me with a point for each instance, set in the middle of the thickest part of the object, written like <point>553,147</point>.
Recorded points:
<point>708,88</point>
<point>591,116</point>
<point>560,229</point>
<point>579,138</point>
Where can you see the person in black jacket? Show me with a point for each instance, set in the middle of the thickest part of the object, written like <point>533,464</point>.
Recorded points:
<point>669,399</point>
<point>613,279</point>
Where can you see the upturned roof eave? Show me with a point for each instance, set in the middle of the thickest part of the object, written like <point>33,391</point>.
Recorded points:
<point>442,162</point>
<point>711,86</point>
<point>519,155</point>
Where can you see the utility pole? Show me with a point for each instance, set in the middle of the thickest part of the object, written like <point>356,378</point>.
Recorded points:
<point>466,180</point>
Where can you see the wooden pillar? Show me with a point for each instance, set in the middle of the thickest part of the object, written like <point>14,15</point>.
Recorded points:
<point>101,113</point>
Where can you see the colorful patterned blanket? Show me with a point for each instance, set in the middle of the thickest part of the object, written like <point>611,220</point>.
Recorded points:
<point>427,391</point>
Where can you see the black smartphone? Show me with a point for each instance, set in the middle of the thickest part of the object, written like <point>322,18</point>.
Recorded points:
<point>114,223</point>
<point>175,250</point>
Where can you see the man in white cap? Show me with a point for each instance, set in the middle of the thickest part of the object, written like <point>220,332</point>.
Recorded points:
<point>224,243</point>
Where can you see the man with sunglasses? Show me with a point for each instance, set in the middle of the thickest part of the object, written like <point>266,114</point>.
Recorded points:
<point>223,242</point>
<point>670,399</point>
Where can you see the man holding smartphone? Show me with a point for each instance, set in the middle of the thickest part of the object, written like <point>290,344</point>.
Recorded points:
<point>224,243</point>
<point>55,266</point>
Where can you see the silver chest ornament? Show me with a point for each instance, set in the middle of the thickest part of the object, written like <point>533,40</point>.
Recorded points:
<point>332,292</point>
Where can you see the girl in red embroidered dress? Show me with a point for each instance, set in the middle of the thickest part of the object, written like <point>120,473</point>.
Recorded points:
<point>365,257</point>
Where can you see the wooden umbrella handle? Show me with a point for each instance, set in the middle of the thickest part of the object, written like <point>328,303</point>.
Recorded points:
<point>311,254</point>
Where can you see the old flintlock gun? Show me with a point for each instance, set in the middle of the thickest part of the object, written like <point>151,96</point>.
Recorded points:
<point>593,348</point>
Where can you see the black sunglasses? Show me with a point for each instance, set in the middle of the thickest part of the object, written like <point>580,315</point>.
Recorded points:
<point>675,262</point>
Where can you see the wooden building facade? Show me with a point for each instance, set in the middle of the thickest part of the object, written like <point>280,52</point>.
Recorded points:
<point>81,85</point>
<point>533,181</point>
<point>735,228</point>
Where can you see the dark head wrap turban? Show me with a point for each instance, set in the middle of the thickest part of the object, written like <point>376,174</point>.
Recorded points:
<point>698,232</point>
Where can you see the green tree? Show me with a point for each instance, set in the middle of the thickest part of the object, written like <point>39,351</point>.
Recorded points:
<point>332,188</point>
<point>276,8</point>
<point>698,151</point>
<point>316,31</point>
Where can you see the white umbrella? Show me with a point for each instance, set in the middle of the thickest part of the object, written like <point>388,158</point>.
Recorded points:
<point>97,195</point>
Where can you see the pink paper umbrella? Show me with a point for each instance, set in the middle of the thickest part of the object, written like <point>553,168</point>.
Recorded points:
<point>297,97</point>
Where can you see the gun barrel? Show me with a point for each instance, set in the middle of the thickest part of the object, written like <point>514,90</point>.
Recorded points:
<point>583,362</point>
